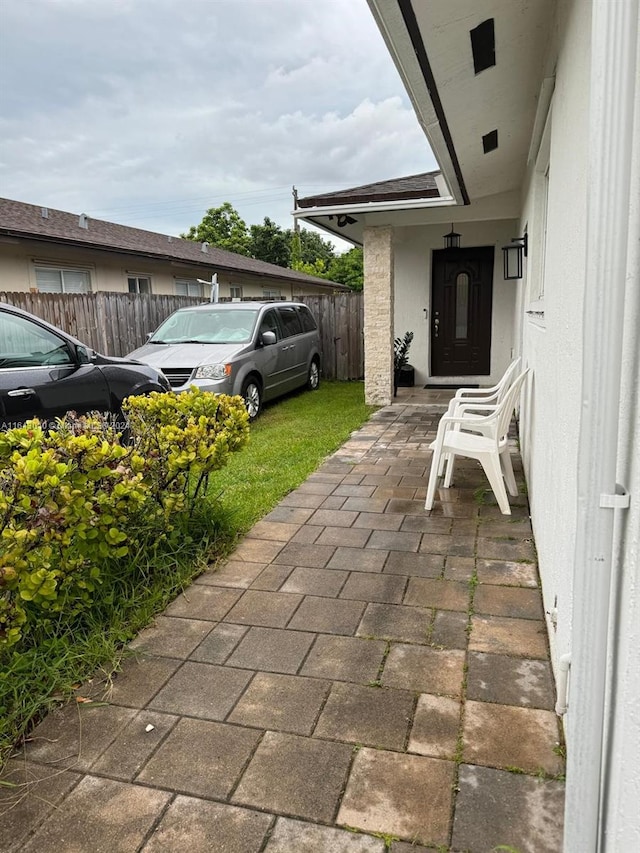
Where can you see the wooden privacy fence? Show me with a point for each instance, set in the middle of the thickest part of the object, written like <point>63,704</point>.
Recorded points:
<point>117,323</point>
<point>340,317</point>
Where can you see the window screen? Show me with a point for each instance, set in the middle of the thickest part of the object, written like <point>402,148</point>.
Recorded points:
<point>51,280</point>
<point>187,287</point>
<point>139,284</point>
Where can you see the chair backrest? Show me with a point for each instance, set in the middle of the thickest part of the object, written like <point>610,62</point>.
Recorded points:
<point>496,391</point>
<point>506,408</point>
<point>507,379</point>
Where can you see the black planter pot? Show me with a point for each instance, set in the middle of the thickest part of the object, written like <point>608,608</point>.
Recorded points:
<point>406,377</point>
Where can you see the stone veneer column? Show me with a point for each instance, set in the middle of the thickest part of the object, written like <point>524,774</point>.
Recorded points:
<point>378,315</point>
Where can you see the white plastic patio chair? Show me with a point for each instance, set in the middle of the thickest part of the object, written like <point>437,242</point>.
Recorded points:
<point>481,437</point>
<point>485,398</point>
<point>488,395</point>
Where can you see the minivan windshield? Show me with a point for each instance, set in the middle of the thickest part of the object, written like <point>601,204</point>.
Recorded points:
<point>213,325</point>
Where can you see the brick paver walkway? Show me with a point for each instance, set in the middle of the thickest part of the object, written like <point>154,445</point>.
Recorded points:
<point>360,676</point>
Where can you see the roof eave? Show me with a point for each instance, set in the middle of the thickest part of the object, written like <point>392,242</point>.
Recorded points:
<point>410,58</point>
<point>373,207</point>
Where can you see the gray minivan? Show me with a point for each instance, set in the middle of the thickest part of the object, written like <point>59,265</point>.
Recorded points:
<point>255,349</point>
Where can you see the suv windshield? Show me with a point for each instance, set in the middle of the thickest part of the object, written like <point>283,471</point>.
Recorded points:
<point>213,325</point>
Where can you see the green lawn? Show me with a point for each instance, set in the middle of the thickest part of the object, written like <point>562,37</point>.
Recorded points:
<point>288,441</point>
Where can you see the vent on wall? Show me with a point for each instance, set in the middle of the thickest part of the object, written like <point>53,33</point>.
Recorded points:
<point>490,141</point>
<point>483,46</point>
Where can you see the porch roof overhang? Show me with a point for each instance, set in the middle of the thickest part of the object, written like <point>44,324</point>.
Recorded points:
<point>348,221</point>
<point>480,80</point>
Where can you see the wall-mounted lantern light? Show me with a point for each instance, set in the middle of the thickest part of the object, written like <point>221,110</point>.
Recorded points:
<point>452,239</point>
<point>512,256</point>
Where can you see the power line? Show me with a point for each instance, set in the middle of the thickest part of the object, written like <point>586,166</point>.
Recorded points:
<point>190,202</point>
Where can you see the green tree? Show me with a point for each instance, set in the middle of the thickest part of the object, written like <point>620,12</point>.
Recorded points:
<point>222,227</point>
<point>348,269</point>
<point>312,247</point>
<point>318,268</point>
<point>304,251</point>
<point>270,243</point>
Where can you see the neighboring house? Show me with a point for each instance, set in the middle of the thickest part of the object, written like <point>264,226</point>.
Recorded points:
<point>45,250</point>
<point>532,108</point>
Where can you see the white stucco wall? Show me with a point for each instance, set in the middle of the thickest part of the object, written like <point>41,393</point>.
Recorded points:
<point>414,246</point>
<point>552,347</point>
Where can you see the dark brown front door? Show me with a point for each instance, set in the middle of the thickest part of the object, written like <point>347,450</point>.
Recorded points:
<point>461,296</point>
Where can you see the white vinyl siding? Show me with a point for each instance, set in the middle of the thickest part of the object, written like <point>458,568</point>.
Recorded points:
<point>50,280</point>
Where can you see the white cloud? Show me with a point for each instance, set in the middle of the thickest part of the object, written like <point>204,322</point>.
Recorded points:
<point>147,112</point>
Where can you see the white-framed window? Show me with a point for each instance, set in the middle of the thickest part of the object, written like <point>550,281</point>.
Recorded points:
<point>189,287</point>
<point>54,280</point>
<point>271,293</point>
<point>541,202</point>
<point>139,283</point>
<point>235,291</point>
<point>543,232</point>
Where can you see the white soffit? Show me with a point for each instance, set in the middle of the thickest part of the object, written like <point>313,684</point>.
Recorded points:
<point>502,97</point>
<point>415,212</point>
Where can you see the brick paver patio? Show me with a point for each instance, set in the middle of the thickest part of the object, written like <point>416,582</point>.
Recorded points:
<point>360,676</point>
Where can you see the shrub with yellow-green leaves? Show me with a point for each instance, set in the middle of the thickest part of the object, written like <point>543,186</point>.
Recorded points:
<point>74,497</point>
<point>185,437</point>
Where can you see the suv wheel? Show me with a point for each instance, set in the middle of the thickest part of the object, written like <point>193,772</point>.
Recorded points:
<point>313,377</point>
<point>252,394</point>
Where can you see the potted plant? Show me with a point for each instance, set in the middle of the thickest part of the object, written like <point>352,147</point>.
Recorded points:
<point>401,362</point>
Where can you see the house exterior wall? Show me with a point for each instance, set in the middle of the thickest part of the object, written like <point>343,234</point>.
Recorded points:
<point>552,343</point>
<point>109,271</point>
<point>414,248</point>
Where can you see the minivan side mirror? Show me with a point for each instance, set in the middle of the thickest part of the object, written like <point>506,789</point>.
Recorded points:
<point>268,338</point>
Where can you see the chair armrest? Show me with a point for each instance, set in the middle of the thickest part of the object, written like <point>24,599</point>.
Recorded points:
<point>449,420</point>
<point>463,408</point>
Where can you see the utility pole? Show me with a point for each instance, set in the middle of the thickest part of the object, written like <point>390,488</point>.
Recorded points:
<point>296,224</point>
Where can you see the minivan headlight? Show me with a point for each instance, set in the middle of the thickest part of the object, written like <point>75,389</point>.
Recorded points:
<point>213,371</point>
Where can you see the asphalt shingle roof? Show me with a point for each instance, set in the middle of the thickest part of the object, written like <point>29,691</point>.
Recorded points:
<point>411,186</point>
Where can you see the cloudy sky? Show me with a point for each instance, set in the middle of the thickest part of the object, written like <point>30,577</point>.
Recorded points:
<point>148,112</point>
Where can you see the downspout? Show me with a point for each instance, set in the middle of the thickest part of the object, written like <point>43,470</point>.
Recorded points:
<point>614,30</point>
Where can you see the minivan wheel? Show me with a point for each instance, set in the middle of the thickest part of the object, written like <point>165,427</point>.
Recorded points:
<point>252,394</point>
<point>313,377</point>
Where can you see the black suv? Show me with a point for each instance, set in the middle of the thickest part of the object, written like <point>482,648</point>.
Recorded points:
<point>45,373</point>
